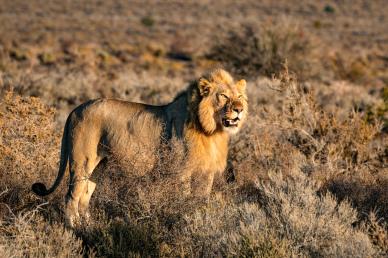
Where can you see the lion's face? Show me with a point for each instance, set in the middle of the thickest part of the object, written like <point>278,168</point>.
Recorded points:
<point>224,103</point>
<point>231,109</point>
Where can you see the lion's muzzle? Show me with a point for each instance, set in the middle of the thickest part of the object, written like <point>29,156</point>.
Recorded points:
<point>233,114</point>
<point>230,122</point>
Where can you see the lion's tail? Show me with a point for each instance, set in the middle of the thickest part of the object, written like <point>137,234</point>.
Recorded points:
<point>39,188</point>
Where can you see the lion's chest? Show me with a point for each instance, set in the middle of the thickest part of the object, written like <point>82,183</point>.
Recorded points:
<point>209,153</point>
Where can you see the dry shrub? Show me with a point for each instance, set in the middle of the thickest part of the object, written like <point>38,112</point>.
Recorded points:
<point>366,189</point>
<point>317,226</point>
<point>27,234</point>
<point>346,155</point>
<point>380,110</point>
<point>378,232</point>
<point>144,188</point>
<point>107,237</point>
<point>356,67</point>
<point>341,154</point>
<point>251,52</point>
<point>137,205</point>
<point>301,134</point>
<point>226,227</point>
<point>291,220</point>
<point>273,209</point>
<point>321,136</point>
<point>29,147</point>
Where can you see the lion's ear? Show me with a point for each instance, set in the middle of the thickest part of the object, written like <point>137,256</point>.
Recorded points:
<point>241,85</point>
<point>204,87</point>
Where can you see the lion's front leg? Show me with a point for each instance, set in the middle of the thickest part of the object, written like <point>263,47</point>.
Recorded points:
<point>196,183</point>
<point>185,182</point>
<point>202,184</point>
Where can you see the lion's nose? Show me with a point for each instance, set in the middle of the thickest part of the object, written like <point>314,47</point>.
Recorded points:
<point>237,109</point>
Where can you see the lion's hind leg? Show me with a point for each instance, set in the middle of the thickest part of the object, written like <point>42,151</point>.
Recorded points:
<point>77,187</point>
<point>85,199</point>
<point>80,188</point>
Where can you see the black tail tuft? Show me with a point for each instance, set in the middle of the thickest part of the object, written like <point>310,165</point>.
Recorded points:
<point>40,189</point>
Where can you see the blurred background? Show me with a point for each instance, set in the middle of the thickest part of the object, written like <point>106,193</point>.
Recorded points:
<point>69,51</point>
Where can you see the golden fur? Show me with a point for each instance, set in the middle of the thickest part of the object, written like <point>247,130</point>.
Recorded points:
<point>202,117</point>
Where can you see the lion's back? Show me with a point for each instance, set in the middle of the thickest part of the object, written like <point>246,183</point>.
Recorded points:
<point>120,127</point>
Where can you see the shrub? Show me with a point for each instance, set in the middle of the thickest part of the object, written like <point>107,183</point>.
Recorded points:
<point>289,220</point>
<point>27,234</point>
<point>29,147</point>
<point>250,52</point>
<point>316,226</point>
<point>290,164</point>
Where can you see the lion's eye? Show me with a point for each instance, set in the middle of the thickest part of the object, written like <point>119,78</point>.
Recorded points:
<point>224,96</point>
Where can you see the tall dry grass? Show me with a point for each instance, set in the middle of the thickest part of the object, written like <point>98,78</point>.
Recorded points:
<point>283,195</point>
<point>29,234</point>
<point>28,149</point>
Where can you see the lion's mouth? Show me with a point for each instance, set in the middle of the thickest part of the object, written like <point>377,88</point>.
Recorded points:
<point>230,122</point>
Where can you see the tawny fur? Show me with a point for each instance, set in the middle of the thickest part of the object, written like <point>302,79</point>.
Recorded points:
<point>202,117</point>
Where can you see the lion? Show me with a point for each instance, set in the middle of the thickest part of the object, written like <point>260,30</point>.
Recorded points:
<point>203,117</point>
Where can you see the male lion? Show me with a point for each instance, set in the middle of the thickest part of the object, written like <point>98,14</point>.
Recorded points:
<point>202,118</point>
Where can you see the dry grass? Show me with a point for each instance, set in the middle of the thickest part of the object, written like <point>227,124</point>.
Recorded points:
<point>28,234</point>
<point>291,220</point>
<point>29,147</point>
<point>283,163</point>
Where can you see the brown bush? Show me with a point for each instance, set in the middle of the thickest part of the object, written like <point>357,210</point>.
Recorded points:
<point>27,234</point>
<point>29,147</point>
<point>345,155</point>
<point>284,162</point>
<point>291,221</point>
<point>263,51</point>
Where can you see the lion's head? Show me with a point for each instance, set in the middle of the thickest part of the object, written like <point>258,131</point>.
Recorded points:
<point>223,103</point>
